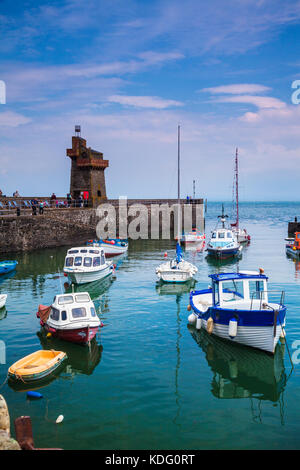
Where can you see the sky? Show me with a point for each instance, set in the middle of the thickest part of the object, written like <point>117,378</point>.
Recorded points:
<point>129,73</point>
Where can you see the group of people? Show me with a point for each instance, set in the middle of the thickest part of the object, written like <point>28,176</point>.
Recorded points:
<point>15,194</point>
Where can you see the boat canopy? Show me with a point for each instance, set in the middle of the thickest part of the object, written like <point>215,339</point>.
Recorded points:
<point>237,276</point>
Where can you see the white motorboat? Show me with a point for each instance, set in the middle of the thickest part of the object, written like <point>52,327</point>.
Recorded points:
<point>3,298</point>
<point>111,246</point>
<point>71,317</point>
<point>86,264</point>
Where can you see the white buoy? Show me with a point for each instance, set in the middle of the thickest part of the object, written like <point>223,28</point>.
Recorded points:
<point>192,318</point>
<point>59,419</point>
<point>198,323</point>
<point>232,328</point>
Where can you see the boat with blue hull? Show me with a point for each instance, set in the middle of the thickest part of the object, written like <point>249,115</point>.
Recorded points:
<point>223,243</point>
<point>238,307</point>
<point>7,266</point>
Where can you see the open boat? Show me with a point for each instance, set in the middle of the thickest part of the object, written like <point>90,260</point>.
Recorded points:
<point>7,266</point>
<point>86,264</point>
<point>3,298</point>
<point>293,246</point>
<point>111,246</point>
<point>241,234</point>
<point>223,242</point>
<point>36,366</point>
<point>71,317</point>
<point>177,270</point>
<point>237,307</point>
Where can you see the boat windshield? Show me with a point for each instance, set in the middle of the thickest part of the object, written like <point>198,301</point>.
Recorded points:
<point>214,235</point>
<point>78,261</point>
<point>82,298</point>
<point>222,235</point>
<point>65,299</point>
<point>69,261</point>
<point>233,290</point>
<point>229,235</point>
<point>79,312</point>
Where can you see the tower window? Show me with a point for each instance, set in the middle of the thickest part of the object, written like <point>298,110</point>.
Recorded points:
<point>99,193</point>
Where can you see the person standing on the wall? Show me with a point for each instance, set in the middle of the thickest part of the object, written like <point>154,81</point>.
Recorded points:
<point>85,198</point>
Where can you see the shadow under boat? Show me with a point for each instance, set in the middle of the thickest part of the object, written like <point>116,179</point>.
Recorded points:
<point>217,262</point>
<point>242,372</point>
<point>81,359</point>
<point>164,288</point>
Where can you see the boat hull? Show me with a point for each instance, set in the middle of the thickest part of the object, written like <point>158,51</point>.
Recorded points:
<point>263,336</point>
<point>175,277</point>
<point>289,251</point>
<point>81,335</point>
<point>7,266</point>
<point>3,298</point>
<point>223,253</point>
<point>85,277</point>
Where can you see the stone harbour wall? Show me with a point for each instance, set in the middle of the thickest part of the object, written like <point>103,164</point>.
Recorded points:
<point>58,227</point>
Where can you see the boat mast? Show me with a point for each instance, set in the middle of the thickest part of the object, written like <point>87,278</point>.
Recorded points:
<point>178,183</point>
<point>237,188</point>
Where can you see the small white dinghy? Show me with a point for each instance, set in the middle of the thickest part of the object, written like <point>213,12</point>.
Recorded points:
<point>176,270</point>
<point>3,298</point>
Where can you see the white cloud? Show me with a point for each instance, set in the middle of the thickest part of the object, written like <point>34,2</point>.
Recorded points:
<point>237,89</point>
<point>258,101</point>
<point>144,101</point>
<point>12,119</point>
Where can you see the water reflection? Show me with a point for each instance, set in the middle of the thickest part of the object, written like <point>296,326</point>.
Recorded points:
<point>163,288</point>
<point>81,359</point>
<point>96,288</point>
<point>241,372</point>
<point>219,264</point>
<point>3,313</point>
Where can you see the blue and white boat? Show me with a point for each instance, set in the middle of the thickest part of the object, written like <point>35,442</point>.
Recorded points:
<point>7,266</point>
<point>223,242</point>
<point>237,307</point>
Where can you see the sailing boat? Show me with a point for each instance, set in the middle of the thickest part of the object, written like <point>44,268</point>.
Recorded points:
<point>241,234</point>
<point>177,270</point>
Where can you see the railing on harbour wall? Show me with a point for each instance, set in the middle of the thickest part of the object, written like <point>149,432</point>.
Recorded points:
<point>17,205</point>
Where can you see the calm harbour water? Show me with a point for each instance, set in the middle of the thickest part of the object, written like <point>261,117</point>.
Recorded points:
<point>150,381</point>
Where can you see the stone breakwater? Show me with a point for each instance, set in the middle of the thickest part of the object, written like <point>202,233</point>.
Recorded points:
<point>67,226</point>
<point>53,228</point>
<point>6,441</point>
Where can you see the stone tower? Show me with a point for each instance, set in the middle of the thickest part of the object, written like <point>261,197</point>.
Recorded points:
<point>87,171</point>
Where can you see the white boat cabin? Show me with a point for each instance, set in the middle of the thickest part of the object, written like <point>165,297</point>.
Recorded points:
<point>246,290</point>
<point>243,290</point>
<point>70,308</point>
<point>85,257</point>
<point>223,237</point>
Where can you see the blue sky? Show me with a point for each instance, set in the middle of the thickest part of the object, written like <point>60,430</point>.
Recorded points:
<point>130,72</point>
